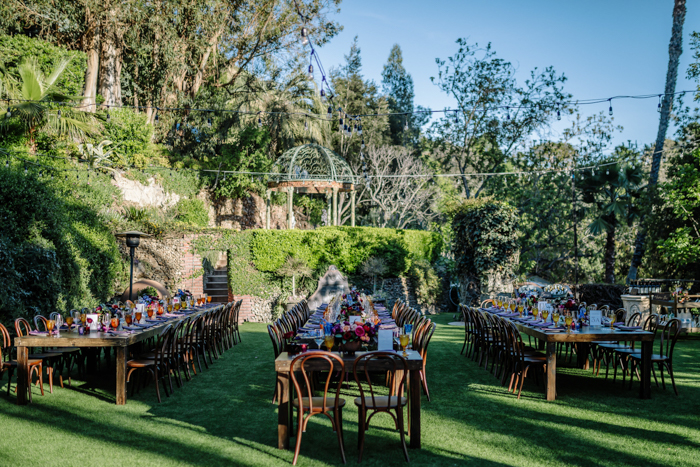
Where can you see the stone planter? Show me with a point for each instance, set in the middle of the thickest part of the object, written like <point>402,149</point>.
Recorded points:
<point>349,348</point>
<point>642,302</point>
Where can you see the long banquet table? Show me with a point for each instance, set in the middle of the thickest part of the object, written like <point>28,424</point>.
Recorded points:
<point>94,339</point>
<point>583,339</point>
<point>283,364</point>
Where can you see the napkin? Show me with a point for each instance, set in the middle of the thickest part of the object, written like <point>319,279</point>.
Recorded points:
<point>134,328</point>
<point>543,325</point>
<point>118,333</point>
<point>143,325</point>
<point>153,321</point>
<point>38,333</point>
<point>629,328</point>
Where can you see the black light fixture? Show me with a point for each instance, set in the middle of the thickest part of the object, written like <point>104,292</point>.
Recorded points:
<point>133,239</point>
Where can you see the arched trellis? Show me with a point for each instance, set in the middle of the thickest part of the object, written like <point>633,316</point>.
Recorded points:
<point>312,169</point>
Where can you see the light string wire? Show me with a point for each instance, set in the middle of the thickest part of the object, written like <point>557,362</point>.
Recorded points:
<point>321,117</point>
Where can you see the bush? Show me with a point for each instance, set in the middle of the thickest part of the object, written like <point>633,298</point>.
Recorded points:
<point>427,284</point>
<point>193,212</point>
<point>130,136</point>
<point>14,49</point>
<point>346,247</point>
<point>56,254</point>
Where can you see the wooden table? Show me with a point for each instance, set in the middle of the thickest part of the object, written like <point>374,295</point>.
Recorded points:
<point>583,339</point>
<point>93,339</point>
<point>284,415</point>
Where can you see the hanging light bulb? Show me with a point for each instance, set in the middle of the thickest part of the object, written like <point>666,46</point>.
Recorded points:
<point>259,121</point>
<point>558,111</point>
<point>109,118</point>
<point>610,108</point>
<point>51,175</point>
<point>359,128</point>
<point>363,143</point>
<point>323,93</point>
<point>607,171</point>
<point>311,72</point>
<point>156,117</point>
<point>306,125</point>
<point>25,169</point>
<point>209,122</point>
<point>507,113</point>
<point>41,173</point>
<point>658,107</point>
<point>329,116</point>
<point>59,113</point>
<point>405,124</point>
<point>345,129</point>
<point>66,177</point>
<point>456,117</point>
<point>9,112</point>
<point>340,124</point>
<point>304,36</point>
<point>7,164</point>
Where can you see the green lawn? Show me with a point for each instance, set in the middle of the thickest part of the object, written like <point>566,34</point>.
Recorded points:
<point>224,417</point>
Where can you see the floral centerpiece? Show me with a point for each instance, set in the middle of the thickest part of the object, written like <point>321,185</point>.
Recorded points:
<point>680,295</point>
<point>352,335</point>
<point>354,324</point>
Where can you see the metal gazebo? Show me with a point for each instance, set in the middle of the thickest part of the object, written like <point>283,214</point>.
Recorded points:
<point>312,169</point>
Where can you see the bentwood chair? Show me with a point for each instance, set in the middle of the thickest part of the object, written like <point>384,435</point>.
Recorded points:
<point>69,355</point>
<point>622,355</point>
<point>603,351</point>
<point>664,359</point>
<point>8,365</point>
<point>420,345</point>
<point>307,404</point>
<point>369,403</point>
<point>521,362</point>
<point>23,328</point>
<point>157,366</point>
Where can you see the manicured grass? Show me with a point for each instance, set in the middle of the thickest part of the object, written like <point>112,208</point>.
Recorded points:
<point>224,417</point>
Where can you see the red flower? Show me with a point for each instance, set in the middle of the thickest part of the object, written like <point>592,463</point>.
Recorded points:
<point>367,328</point>
<point>360,331</point>
<point>347,336</point>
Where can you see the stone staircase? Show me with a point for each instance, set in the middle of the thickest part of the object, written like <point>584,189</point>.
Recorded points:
<point>216,283</point>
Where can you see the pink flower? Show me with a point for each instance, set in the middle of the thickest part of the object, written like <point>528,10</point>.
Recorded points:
<point>346,328</point>
<point>364,338</point>
<point>360,331</point>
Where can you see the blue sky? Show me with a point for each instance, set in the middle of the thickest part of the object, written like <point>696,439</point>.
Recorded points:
<point>605,48</point>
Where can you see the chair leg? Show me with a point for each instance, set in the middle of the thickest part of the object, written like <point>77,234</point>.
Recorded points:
<point>338,422</point>
<point>361,426</point>
<point>661,370</point>
<point>670,373</point>
<point>10,372</point>
<point>399,412</point>
<point>299,432</point>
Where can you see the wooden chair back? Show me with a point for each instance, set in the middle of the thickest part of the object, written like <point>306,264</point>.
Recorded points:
<point>390,361</point>
<point>22,327</point>
<point>669,336</point>
<point>306,394</point>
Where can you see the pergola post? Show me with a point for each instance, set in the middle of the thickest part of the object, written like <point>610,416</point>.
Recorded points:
<point>267,209</point>
<point>352,207</point>
<point>290,197</point>
<point>329,208</point>
<point>336,221</point>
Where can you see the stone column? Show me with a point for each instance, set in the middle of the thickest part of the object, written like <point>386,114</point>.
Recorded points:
<point>352,208</point>
<point>329,209</point>
<point>267,209</point>
<point>335,207</point>
<point>290,205</point>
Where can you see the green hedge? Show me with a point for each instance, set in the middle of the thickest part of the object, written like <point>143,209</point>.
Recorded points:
<point>255,255</point>
<point>346,247</point>
<point>55,252</point>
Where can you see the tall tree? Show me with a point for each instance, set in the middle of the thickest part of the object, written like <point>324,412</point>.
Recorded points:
<point>494,114</point>
<point>397,85</point>
<point>675,48</point>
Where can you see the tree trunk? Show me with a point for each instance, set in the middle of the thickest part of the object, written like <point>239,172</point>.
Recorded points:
<point>92,49</point>
<point>610,251</point>
<point>110,71</point>
<point>675,48</point>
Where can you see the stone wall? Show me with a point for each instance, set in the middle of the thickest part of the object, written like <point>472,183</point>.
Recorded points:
<point>254,309</point>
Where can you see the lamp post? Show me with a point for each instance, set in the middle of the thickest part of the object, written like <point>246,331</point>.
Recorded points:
<point>133,239</point>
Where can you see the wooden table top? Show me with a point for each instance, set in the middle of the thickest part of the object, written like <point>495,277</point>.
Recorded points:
<point>587,333</point>
<point>100,339</point>
<point>282,363</point>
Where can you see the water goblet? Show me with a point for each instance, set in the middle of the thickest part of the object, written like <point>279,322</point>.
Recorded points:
<point>149,312</point>
<point>555,318</point>
<point>58,319</point>
<point>49,325</point>
<point>69,322</point>
<point>568,320</point>
<point>208,298</point>
<point>545,314</point>
<point>138,316</point>
<point>115,323</point>
<point>403,340</point>
<point>128,319</point>
<point>329,340</point>
<point>612,320</point>
<point>318,338</point>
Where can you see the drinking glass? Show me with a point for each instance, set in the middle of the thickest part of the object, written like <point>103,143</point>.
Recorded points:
<point>208,298</point>
<point>329,340</point>
<point>567,320</point>
<point>106,319</point>
<point>403,340</point>
<point>545,314</point>
<point>115,323</point>
<point>535,312</point>
<point>160,309</point>
<point>612,320</point>
<point>49,325</point>
<point>183,304</point>
<point>512,307</point>
<point>520,310</point>
<point>83,318</point>
<point>555,318</point>
<point>69,321</point>
<point>318,338</point>
<point>170,307</point>
<point>127,319</point>
<point>58,319</point>
<point>149,311</point>
<point>138,316</point>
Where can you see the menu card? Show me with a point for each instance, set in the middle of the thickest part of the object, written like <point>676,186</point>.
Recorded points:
<point>94,326</point>
<point>355,319</point>
<point>595,317</point>
<point>386,340</point>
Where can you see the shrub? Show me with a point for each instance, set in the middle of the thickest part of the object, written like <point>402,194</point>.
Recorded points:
<point>427,284</point>
<point>193,212</point>
<point>55,254</point>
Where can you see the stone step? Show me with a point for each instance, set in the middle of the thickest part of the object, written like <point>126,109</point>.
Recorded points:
<point>217,279</point>
<point>216,286</point>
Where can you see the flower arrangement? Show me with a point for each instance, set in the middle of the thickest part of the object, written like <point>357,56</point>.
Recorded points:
<point>529,290</point>
<point>680,295</point>
<point>354,332</point>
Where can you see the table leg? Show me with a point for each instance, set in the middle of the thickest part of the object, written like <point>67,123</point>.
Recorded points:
<point>414,407</point>
<point>551,371</point>
<point>121,375</point>
<point>645,383</point>
<point>22,375</point>
<point>582,350</point>
<point>283,417</point>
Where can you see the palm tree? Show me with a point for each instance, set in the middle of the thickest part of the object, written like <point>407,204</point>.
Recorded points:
<point>675,48</point>
<point>34,101</point>
<point>612,194</point>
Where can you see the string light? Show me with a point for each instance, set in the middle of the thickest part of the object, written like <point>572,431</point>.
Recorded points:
<point>456,117</point>
<point>25,168</point>
<point>59,113</point>
<point>311,72</point>
<point>610,108</point>
<point>108,116</point>
<point>7,164</point>
<point>405,124</point>
<point>306,125</point>
<point>9,112</point>
<point>558,111</point>
<point>209,122</point>
<point>658,107</point>
<point>304,36</point>
<point>259,122</point>
<point>330,113</point>
<point>507,113</point>
<point>156,117</point>
<point>323,93</point>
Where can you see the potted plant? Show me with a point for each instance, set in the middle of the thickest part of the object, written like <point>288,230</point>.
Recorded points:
<point>373,267</point>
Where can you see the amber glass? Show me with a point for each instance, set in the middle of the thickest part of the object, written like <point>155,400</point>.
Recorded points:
<point>50,324</point>
<point>138,316</point>
<point>177,306</point>
<point>115,323</point>
<point>161,310</point>
<point>403,340</point>
<point>83,318</point>
<point>545,314</point>
<point>69,321</point>
<point>208,298</point>
<point>127,319</point>
<point>329,341</point>
<point>149,311</point>
<point>567,320</point>
<point>555,318</point>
